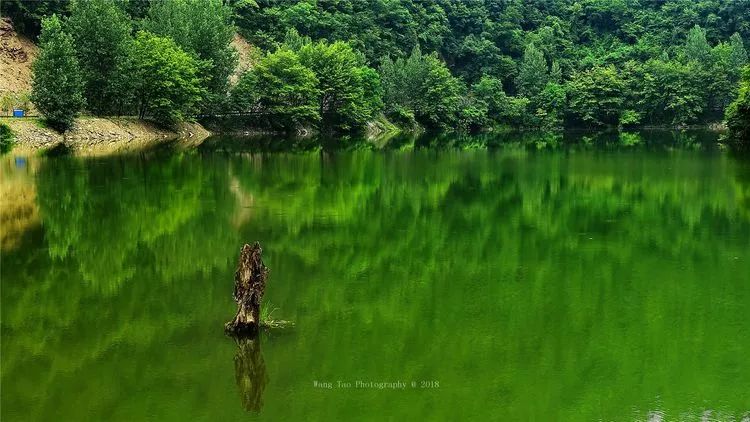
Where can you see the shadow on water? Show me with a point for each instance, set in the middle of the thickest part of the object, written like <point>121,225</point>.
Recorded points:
<point>250,372</point>
<point>58,150</point>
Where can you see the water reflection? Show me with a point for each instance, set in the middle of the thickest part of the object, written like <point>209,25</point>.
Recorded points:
<point>19,214</point>
<point>661,140</point>
<point>566,284</point>
<point>250,372</point>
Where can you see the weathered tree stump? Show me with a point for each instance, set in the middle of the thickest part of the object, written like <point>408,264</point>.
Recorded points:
<point>249,286</point>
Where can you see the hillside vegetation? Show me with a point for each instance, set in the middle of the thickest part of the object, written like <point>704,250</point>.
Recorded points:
<point>445,64</point>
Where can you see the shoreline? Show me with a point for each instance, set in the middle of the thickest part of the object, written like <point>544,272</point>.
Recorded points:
<point>111,135</point>
<point>98,135</point>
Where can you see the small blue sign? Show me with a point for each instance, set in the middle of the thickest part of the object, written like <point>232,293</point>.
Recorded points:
<point>18,112</point>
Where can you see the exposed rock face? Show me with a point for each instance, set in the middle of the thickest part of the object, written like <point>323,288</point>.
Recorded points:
<point>247,54</point>
<point>16,55</point>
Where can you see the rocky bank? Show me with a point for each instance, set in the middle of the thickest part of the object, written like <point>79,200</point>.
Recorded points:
<point>91,135</point>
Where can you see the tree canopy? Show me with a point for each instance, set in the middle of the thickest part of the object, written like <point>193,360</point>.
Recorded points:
<point>166,82</point>
<point>101,35</point>
<point>57,86</point>
<point>202,28</point>
<point>557,63</point>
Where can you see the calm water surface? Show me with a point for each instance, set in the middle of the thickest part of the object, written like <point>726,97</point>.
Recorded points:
<point>531,281</point>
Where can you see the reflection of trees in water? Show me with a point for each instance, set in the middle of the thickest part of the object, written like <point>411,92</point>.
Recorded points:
<point>110,215</point>
<point>126,240</point>
<point>19,213</point>
<point>612,231</point>
<point>742,187</point>
<point>617,246</point>
<point>657,140</point>
<point>250,372</point>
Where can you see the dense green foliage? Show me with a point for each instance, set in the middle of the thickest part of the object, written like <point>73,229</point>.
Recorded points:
<point>738,114</point>
<point>165,80</point>
<point>421,86</point>
<point>57,86</point>
<point>346,86</point>
<point>305,83</point>
<point>101,32</point>
<point>670,62</point>
<point>596,96</point>
<point>168,77</point>
<point>7,138</point>
<point>27,15</point>
<point>202,28</point>
<point>279,84</point>
<point>550,63</point>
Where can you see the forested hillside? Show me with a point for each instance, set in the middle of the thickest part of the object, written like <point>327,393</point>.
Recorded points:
<point>577,62</point>
<point>449,64</point>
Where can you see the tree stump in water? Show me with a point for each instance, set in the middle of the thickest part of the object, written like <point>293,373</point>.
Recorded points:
<point>249,286</point>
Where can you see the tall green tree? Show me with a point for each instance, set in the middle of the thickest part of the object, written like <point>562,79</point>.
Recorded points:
<point>440,95</point>
<point>737,57</point>
<point>401,80</point>
<point>204,29</point>
<point>532,74</point>
<point>243,97</point>
<point>294,41</point>
<point>7,139</point>
<point>723,75</point>
<point>551,105</point>
<point>57,85</point>
<point>555,73</point>
<point>344,101</point>
<point>423,87</point>
<point>672,92</point>
<point>101,31</point>
<point>168,87</point>
<point>697,47</point>
<point>596,96</point>
<point>372,99</point>
<point>287,89</point>
<point>501,108</point>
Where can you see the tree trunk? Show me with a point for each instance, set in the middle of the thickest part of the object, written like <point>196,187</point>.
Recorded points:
<point>249,286</point>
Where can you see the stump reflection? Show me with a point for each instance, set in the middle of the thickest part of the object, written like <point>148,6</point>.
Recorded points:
<point>250,372</point>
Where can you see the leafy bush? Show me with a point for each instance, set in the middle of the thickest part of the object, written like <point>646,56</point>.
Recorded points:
<point>7,138</point>
<point>402,117</point>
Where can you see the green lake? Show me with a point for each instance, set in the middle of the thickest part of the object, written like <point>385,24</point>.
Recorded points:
<point>515,277</point>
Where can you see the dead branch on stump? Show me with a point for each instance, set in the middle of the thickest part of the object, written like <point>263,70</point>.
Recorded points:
<point>249,286</point>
